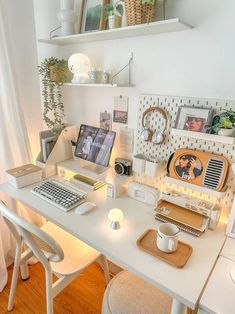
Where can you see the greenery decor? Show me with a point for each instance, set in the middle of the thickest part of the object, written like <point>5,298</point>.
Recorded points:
<point>226,120</point>
<point>111,9</point>
<point>54,73</point>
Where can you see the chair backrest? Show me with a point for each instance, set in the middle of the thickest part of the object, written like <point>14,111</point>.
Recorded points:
<point>41,243</point>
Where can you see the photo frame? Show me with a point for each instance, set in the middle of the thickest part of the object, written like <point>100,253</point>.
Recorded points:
<point>194,119</point>
<point>92,15</point>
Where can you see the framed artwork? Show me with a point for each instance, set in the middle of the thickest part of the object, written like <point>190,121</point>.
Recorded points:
<point>92,16</point>
<point>193,118</point>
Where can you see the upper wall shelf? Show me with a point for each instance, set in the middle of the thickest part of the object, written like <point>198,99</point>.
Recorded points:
<point>204,136</point>
<point>97,85</point>
<point>165,26</point>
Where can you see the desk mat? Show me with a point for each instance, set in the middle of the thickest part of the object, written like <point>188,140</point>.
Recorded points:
<point>147,243</point>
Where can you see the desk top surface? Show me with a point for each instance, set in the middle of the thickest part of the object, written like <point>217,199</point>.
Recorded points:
<point>220,284</point>
<point>184,284</point>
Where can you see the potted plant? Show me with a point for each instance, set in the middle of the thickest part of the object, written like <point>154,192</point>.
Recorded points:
<point>223,124</point>
<point>113,13</point>
<point>54,73</point>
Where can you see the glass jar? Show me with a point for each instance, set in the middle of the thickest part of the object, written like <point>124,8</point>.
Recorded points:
<point>106,77</point>
<point>93,75</point>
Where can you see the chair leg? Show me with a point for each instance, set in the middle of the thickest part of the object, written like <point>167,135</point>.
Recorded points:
<point>24,271</point>
<point>14,277</point>
<point>106,269</point>
<point>49,297</point>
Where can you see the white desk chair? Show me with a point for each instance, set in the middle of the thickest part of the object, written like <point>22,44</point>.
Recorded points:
<point>128,294</point>
<point>58,251</point>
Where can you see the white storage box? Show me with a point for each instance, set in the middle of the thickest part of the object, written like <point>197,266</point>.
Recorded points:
<point>24,175</point>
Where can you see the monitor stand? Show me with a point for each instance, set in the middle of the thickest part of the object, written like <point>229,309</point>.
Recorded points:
<point>97,169</point>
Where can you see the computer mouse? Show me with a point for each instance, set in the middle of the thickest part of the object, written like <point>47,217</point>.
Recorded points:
<point>84,208</point>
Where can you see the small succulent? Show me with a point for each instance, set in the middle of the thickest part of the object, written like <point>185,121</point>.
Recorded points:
<point>116,8</point>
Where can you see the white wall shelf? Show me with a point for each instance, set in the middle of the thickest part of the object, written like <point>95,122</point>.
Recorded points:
<point>198,188</point>
<point>204,136</point>
<point>165,26</point>
<point>97,85</point>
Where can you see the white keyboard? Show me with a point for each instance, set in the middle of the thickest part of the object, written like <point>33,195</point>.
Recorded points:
<point>59,194</point>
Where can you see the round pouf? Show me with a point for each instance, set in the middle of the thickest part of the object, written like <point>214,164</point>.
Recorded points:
<point>128,294</point>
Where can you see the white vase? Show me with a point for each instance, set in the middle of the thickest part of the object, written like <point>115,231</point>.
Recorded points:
<point>67,17</point>
<point>226,132</point>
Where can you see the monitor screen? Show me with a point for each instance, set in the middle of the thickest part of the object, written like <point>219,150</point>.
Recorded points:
<point>95,144</point>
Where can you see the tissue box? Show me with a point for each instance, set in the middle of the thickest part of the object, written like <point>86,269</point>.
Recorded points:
<point>24,175</point>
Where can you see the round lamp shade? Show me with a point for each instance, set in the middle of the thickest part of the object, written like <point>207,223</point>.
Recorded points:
<point>79,64</point>
<point>115,214</point>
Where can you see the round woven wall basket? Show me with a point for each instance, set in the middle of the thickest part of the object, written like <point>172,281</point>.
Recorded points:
<point>138,13</point>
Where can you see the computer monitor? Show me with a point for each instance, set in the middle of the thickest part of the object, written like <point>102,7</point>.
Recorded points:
<point>95,145</point>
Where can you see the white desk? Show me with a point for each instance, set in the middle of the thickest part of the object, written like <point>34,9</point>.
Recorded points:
<point>184,285</point>
<point>219,295</point>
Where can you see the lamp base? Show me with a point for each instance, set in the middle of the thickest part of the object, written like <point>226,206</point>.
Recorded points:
<point>80,79</point>
<point>115,225</point>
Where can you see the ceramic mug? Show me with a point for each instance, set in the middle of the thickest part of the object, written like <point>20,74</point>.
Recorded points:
<point>167,237</point>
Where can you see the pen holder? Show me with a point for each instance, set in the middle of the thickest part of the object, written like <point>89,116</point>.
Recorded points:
<point>152,169</point>
<point>139,161</point>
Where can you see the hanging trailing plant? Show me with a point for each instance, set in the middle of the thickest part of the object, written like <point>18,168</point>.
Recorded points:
<point>54,73</point>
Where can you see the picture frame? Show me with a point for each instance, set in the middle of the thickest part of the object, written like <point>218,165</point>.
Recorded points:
<point>230,231</point>
<point>81,9</point>
<point>92,15</point>
<point>194,119</point>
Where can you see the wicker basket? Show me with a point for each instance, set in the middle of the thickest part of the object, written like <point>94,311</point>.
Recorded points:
<point>138,13</point>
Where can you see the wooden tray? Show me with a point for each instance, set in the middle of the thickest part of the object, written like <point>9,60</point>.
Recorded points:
<point>147,243</point>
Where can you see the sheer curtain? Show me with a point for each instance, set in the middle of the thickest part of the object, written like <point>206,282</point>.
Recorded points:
<point>14,142</point>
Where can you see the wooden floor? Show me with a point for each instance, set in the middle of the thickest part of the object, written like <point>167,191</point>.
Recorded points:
<point>82,296</point>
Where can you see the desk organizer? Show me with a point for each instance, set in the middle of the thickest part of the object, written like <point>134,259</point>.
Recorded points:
<point>198,188</point>
<point>139,161</point>
<point>61,151</point>
<point>142,165</point>
<point>147,243</point>
<point>162,152</point>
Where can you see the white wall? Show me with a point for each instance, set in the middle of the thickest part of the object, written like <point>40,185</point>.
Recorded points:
<point>23,43</point>
<point>198,62</point>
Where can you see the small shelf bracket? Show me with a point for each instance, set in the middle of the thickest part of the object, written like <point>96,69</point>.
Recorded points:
<point>128,65</point>
<point>51,32</point>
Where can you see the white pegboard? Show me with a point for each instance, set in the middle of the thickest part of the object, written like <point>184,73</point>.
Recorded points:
<point>172,142</point>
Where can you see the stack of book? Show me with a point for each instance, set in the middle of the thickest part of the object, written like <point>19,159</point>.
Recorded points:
<point>87,182</point>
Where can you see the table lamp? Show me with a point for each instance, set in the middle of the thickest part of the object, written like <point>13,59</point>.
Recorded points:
<point>79,64</point>
<point>115,215</point>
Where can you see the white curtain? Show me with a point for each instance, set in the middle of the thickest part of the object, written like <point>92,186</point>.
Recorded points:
<point>14,142</point>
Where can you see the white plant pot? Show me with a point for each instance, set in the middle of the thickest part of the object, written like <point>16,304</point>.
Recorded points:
<point>114,21</point>
<point>226,132</point>
<point>139,161</point>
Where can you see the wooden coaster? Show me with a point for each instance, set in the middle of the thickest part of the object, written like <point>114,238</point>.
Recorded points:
<point>147,243</point>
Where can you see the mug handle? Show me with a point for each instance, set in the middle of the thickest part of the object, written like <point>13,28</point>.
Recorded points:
<point>171,245</point>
